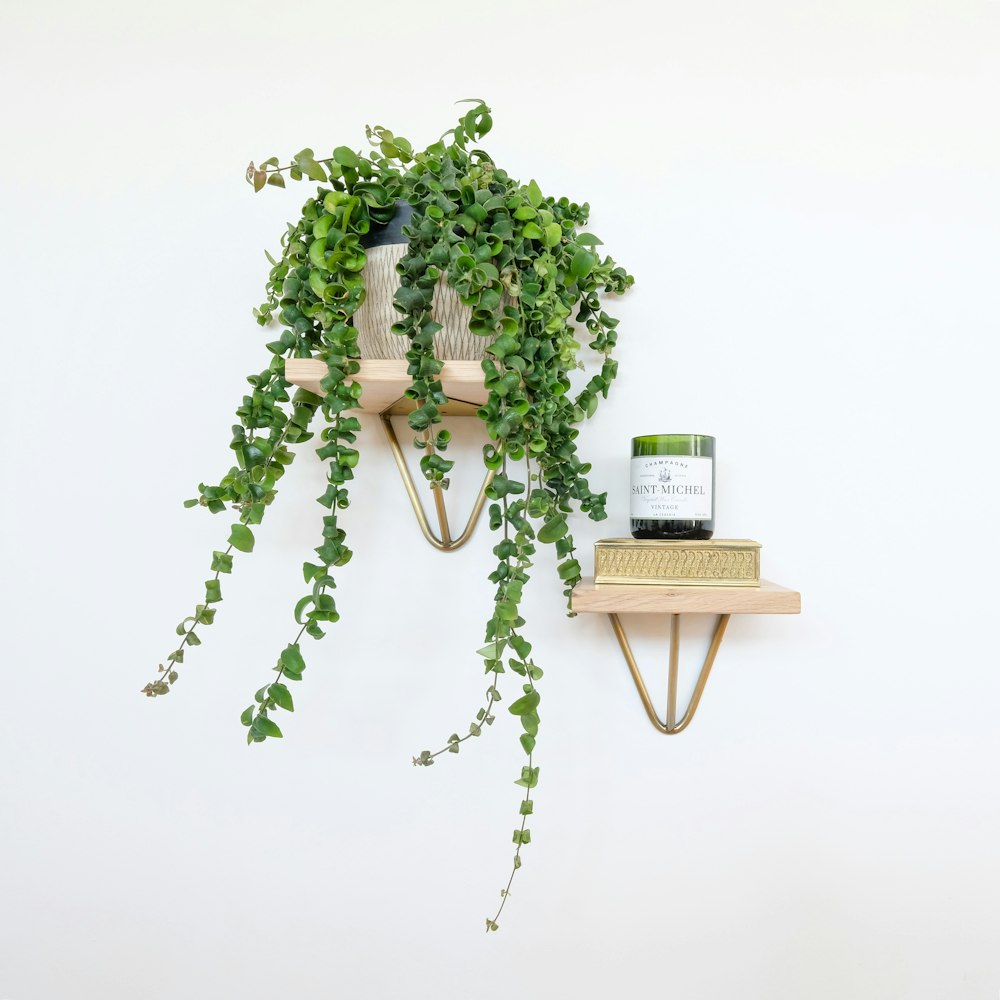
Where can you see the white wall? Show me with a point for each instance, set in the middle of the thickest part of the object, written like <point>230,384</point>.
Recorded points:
<point>807,197</point>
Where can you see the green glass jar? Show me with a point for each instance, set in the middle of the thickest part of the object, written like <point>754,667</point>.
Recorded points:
<point>673,486</point>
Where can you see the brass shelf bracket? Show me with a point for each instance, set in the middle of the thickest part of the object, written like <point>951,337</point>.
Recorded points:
<point>670,726</point>
<point>442,540</point>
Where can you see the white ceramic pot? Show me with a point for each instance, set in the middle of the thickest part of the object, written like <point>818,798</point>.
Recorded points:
<point>376,314</point>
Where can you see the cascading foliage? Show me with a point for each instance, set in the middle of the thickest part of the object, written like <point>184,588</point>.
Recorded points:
<point>533,280</point>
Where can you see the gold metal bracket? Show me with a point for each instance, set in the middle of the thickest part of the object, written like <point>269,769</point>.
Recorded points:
<point>442,541</point>
<point>670,726</point>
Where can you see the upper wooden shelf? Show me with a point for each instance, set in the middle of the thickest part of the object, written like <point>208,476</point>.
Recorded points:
<point>384,382</point>
<point>767,599</point>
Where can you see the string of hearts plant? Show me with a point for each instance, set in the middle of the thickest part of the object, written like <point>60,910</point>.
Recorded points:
<point>533,279</point>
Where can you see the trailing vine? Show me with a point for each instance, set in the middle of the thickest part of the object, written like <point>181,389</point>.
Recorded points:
<point>533,280</point>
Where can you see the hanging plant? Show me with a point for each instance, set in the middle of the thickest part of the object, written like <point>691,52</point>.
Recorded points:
<point>530,281</point>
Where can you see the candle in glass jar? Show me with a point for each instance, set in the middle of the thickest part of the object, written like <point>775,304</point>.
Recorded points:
<point>673,486</point>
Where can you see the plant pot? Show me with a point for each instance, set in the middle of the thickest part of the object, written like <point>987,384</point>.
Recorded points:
<point>385,247</point>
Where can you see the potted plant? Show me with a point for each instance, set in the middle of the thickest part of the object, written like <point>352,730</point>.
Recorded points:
<point>425,256</point>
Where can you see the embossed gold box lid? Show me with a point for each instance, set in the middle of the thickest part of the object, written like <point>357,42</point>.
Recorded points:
<point>713,562</point>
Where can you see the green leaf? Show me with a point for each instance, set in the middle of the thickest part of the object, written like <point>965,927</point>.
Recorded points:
<point>583,263</point>
<point>553,529</point>
<point>314,171</point>
<point>526,703</point>
<point>569,570</point>
<point>266,727</point>
<point>534,194</point>
<point>529,722</point>
<point>213,591</point>
<point>553,234</point>
<point>322,225</point>
<point>291,658</point>
<point>528,742</point>
<point>317,253</point>
<point>241,537</point>
<point>345,156</point>
<point>506,611</point>
<point>529,777</point>
<point>222,562</point>
<point>247,716</point>
<point>316,283</point>
<point>281,696</point>
<point>409,299</point>
<point>521,646</point>
<point>301,606</point>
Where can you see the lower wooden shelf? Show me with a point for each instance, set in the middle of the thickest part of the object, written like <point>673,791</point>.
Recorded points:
<point>767,599</point>
<point>613,599</point>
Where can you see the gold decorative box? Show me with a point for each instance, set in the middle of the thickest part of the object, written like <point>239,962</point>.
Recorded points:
<point>714,562</point>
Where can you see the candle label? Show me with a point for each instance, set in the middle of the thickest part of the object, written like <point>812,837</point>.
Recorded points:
<point>672,487</point>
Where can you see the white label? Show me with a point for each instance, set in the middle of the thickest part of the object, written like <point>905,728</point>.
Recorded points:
<point>674,487</point>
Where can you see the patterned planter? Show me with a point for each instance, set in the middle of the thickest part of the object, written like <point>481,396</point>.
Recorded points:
<point>385,247</point>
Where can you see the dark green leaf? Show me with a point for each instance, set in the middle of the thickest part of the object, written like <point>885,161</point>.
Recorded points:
<point>291,658</point>
<point>553,529</point>
<point>281,696</point>
<point>266,727</point>
<point>583,263</point>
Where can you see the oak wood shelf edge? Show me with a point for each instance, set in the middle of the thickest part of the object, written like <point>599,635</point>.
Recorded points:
<point>610,598</point>
<point>384,381</point>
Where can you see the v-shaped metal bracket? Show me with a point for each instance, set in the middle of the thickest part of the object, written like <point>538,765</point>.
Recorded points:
<point>442,541</point>
<point>670,726</point>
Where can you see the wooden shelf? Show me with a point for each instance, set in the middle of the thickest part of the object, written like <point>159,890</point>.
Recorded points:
<point>384,382</point>
<point>614,598</point>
